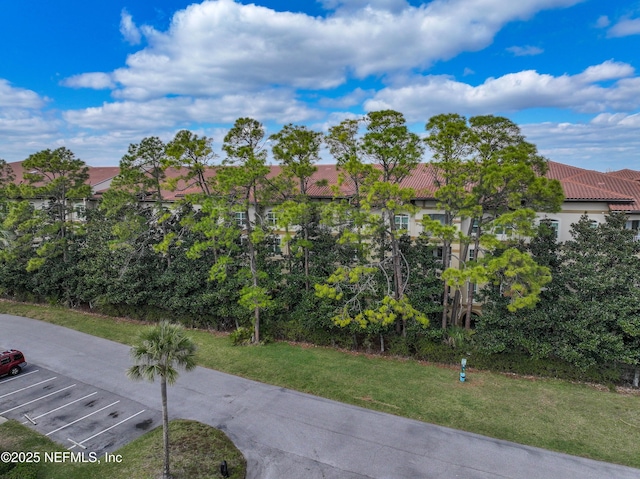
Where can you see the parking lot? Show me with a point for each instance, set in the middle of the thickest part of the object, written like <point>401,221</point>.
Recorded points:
<point>78,416</point>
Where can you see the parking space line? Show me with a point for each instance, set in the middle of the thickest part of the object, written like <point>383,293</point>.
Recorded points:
<point>63,406</point>
<point>103,431</point>
<point>20,376</point>
<point>83,417</point>
<point>29,387</point>
<point>38,399</point>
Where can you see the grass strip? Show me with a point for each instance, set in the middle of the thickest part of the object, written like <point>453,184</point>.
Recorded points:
<point>196,453</point>
<point>578,419</point>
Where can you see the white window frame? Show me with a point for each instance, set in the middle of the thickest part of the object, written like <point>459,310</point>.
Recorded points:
<point>241,219</point>
<point>399,221</point>
<point>272,219</point>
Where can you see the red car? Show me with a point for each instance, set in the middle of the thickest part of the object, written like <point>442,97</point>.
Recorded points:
<point>11,362</point>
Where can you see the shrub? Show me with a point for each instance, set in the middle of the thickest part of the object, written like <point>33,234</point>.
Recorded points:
<point>241,336</point>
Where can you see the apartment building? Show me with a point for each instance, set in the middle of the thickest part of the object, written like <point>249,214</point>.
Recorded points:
<point>586,192</point>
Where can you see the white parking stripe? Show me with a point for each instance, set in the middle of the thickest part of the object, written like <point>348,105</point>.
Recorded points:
<point>63,406</point>
<point>104,430</point>
<point>83,417</point>
<point>19,377</point>
<point>38,399</point>
<point>29,387</point>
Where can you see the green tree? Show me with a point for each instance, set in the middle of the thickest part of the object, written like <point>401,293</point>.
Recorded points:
<point>345,212</point>
<point>143,170</point>
<point>600,304</point>
<point>159,353</point>
<point>298,149</point>
<point>450,142</point>
<point>232,219</point>
<point>588,314</point>
<point>194,154</point>
<point>529,330</point>
<point>142,179</point>
<point>58,179</point>
<point>393,152</point>
<point>7,176</point>
<point>494,179</point>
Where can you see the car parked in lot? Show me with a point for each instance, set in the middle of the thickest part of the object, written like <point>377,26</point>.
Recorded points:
<point>12,362</point>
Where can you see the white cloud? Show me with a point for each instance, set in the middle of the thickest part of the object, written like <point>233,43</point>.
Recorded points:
<point>25,131</point>
<point>23,126</point>
<point>346,6</point>
<point>527,50</point>
<point>356,97</point>
<point>624,28</point>
<point>129,30</point>
<point>221,46</point>
<point>95,80</point>
<point>279,106</point>
<point>431,95</point>
<point>609,70</point>
<point>14,97</point>
<point>603,144</point>
<point>603,22</point>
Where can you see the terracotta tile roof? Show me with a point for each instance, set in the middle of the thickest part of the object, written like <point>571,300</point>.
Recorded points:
<point>578,191</point>
<point>622,193</point>
<point>621,189</point>
<point>627,174</point>
<point>97,174</point>
<point>100,174</point>
<point>560,171</point>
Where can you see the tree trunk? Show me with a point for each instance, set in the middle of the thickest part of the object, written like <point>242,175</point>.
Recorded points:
<point>456,305</point>
<point>254,275</point>
<point>253,266</point>
<point>467,318</point>
<point>397,269</point>
<point>476,248</point>
<point>306,258</point>
<point>165,428</point>
<point>445,297</point>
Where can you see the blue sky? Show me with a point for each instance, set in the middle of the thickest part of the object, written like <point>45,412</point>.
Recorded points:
<point>96,76</point>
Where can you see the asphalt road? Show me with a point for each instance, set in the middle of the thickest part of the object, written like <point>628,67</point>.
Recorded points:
<point>289,435</point>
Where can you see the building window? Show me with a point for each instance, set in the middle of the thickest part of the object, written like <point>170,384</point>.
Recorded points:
<point>502,230</point>
<point>472,254</point>
<point>438,217</point>
<point>241,218</point>
<point>402,222</point>
<point>475,293</point>
<point>553,224</point>
<point>438,254</point>
<point>275,244</point>
<point>272,219</point>
<point>633,225</point>
<point>475,227</point>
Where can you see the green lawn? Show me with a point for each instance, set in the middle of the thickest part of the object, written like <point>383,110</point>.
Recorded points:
<point>572,418</point>
<point>196,453</point>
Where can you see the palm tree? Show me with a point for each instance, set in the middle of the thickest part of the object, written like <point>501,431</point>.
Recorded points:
<point>159,352</point>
